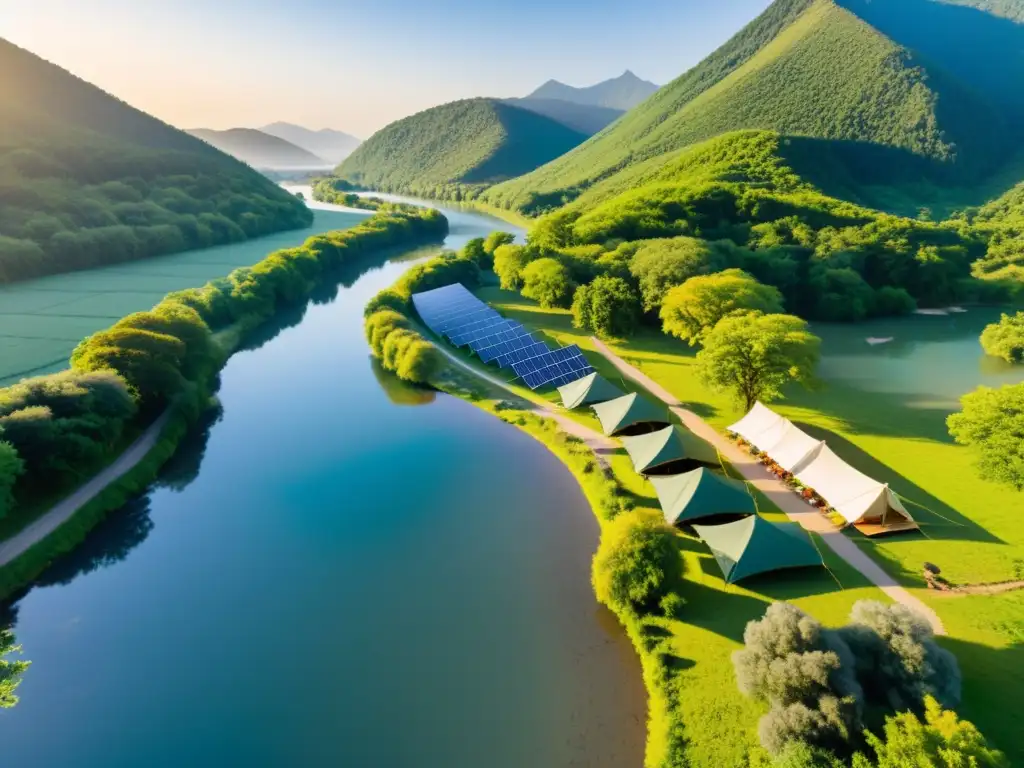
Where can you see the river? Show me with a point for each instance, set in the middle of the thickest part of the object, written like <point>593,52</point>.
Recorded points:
<point>337,570</point>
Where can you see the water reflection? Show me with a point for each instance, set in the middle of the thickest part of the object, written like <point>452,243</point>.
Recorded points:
<point>400,392</point>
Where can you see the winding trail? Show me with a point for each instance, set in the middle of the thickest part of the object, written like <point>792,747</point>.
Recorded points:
<point>795,508</point>
<point>65,509</point>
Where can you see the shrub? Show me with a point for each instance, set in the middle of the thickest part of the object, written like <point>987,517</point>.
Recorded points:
<point>672,606</point>
<point>637,563</point>
<point>11,468</point>
<point>942,741</point>
<point>548,282</point>
<point>1005,339</point>
<point>805,672</point>
<point>608,306</point>
<point>10,670</point>
<point>419,363</point>
<point>898,661</point>
<point>692,309</point>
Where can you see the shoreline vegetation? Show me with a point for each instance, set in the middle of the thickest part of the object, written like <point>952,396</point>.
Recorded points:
<point>69,425</point>
<point>333,188</point>
<point>389,320</point>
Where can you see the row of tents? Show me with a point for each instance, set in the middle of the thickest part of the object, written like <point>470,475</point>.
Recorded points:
<point>872,507</point>
<point>681,467</point>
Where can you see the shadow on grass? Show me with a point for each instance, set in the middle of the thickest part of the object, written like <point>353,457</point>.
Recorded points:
<point>938,520</point>
<point>992,680</point>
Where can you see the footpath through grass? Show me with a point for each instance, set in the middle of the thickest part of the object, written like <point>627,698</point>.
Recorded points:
<point>972,529</point>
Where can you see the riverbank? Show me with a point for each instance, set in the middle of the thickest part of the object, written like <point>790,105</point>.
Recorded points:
<point>969,527</point>
<point>48,535</point>
<point>696,714</point>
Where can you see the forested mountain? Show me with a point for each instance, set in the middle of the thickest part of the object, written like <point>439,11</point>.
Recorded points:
<point>333,146</point>
<point>902,91</point>
<point>585,118</point>
<point>456,146</point>
<point>86,179</point>
<point>622,92</point>
<point>258,149</point>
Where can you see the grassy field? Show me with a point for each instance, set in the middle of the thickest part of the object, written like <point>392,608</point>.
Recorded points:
<point>969,527</point>
<point>41,321</point>
<point>720,723</point>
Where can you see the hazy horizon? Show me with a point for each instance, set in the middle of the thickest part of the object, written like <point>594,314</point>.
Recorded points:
<point>353,67</point>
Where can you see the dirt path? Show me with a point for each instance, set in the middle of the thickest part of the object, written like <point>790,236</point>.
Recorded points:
<point>63,511</point>
<point>779,493</point>
<point>996,588</point>
<point>601,446</point>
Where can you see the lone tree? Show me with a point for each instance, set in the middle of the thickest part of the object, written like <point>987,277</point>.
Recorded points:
<point>692,309</point>
<point>754,355</point>
<point>1005,339</point>
<point>608,306</point>
<point>10,670</point>
<point>548,282</point>
<point>992,420</point>
<point>942,740</point>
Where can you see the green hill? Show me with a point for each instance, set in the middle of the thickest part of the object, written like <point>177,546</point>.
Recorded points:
<point>87,180</point>
<point>464,143</point>
<point>815,68</point>
<point>258,149</point>
<point>587,119</point>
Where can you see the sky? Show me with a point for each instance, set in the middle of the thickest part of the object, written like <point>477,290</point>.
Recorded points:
<point>358,66</point>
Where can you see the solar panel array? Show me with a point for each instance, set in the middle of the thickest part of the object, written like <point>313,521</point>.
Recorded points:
<point>465,321</point>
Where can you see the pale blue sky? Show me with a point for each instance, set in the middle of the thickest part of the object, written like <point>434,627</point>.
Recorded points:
<point>357,66</point>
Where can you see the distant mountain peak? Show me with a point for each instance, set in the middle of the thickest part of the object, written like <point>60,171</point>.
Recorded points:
<point>622,93</point>
<point>328,143</point>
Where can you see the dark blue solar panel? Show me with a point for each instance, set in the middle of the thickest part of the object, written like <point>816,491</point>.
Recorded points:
<point>556,368</point>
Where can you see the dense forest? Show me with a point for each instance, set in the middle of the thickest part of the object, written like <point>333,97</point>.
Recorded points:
<point>817,68</point>
<point>463,145</point>
<point>734,203</point>
<point>87,180</point>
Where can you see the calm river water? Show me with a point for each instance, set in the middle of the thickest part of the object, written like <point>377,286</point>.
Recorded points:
<point>337,571</point>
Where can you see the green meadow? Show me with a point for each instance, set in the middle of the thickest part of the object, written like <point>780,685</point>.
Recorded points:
<point>41,321</point>
<point>970,528</point>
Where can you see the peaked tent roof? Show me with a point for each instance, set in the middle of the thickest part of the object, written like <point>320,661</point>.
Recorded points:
<point>753,545</point>
<point>795,448</point>
<point>699,494</point>
<point>850,492</point>
<point>673,443</point>
<point>626,411</point>
<point>757,422</point>
<point>593,388</point>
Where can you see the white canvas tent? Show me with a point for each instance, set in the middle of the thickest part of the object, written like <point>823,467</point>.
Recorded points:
<point>795,449</point>
<point>759,422</point>
<point>778,437</point>
<point>866,503</point>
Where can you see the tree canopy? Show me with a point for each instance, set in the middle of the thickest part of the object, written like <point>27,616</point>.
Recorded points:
<point>607,306</point>
<point>690,310</point>
<point>548,282</point>
<point>753,356</point>
<point>941,740</point>
<point>11,670</point>
<point>1005,339</point>
<point>992,422</point>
